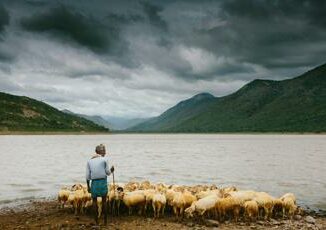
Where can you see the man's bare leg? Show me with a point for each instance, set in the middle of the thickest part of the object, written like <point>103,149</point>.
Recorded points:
<point>104,210</point>
<point>95,210</point>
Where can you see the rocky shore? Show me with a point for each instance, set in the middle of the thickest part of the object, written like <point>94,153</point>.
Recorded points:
<point>46,214</point>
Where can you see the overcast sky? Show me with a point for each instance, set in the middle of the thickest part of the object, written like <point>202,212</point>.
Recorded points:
<point>138,58</point>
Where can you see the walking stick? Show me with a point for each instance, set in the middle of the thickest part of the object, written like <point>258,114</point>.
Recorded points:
<point>114,200</point>
<point>113,182</point>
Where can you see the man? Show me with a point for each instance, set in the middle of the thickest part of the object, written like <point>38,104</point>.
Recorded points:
<point>97,171</point>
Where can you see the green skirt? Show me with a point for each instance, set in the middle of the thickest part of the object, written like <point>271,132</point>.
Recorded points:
<point>99,188</point>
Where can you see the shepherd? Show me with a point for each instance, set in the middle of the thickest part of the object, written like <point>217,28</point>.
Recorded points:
<point>97,171</point>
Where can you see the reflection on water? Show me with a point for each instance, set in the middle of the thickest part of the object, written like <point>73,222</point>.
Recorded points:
<point>37,166</point>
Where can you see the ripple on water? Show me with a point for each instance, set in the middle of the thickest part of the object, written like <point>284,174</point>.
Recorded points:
<point>166,170</point>
<point>286,184</point>
<point>16,200</point>
<point>32,190</point>
<point>20,185</point>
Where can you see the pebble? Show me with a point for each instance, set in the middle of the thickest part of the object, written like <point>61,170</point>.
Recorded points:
<point>274,222</point>
<point>190,224</point>
<point>212,223</point>
<point>297,217</point>
<point>310,220</point>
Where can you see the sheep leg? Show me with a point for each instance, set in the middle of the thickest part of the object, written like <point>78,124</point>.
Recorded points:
<point>141,209</point>
<point>215,213</point>
<point>158,211</point>
<point>181,212</point>
<point>118,206</point>
<point>163,208</point>
<point>81,208</point>
<point>266,213</point>
<point>76,208</point>
<point>146,203</point>
<point>236,212</point>
<point>154,209</point>
<point>112,207</point>
<point>175,212</point>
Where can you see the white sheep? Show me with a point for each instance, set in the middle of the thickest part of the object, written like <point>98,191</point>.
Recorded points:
<point>251,210</point>
<point>265,202</point>
<point>63,196</point>
<point>202,206</point>
<point>178,204</point>
<point>158,203</point>
<point>134,199</point>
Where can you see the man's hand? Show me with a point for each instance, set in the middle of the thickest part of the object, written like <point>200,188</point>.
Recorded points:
<point>112,169</point>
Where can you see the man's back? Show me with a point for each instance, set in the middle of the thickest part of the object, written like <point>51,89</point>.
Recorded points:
<point>97,168</point>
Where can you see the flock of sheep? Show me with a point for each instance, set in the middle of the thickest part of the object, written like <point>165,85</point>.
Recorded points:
<point>191,201</point>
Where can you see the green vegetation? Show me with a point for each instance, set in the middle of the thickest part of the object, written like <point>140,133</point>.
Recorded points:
<point>295,105</point>
<point>25,114</point>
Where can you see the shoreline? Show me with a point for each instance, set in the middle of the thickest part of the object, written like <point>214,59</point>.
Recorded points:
<point>46,214</point>
<point>54,133</point>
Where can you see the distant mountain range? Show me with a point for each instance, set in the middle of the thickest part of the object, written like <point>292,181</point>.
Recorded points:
<point>114,123</point>
<point>19,113</point>
<point>121,123</point>
<point>294,105</point>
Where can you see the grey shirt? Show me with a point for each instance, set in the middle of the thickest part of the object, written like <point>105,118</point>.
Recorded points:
<point>97,168</point>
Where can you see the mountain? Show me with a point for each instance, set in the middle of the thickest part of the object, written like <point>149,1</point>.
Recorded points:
<point>96,119</point>
<point>183,111</point>
<point>114,123</point>
<point>19,113</point>
<point>293,105</point>
<point>121,123</point>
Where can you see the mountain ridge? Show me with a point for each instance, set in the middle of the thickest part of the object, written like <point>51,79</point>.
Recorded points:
<point>290,105</point>
<point>21,113</point>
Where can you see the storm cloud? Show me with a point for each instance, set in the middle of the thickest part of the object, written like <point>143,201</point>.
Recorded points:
<point>138,58</point>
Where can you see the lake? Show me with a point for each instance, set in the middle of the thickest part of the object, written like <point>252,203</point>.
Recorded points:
<point>34,166</point>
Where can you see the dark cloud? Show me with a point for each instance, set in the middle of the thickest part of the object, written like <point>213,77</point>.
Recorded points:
<point>80,28</point>
<point>5,57</point>
<point>269,33</point>
<point>121,19</point>
<point>4,17</point>
<point>142,56</point>
<point>153,13</point>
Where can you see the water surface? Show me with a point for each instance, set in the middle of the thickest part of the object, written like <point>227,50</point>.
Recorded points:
<point>38,165</point>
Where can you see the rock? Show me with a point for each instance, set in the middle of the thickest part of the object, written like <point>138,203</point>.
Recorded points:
<point>190,224</point>
<point>260,222</point>
<point>297,217</point>
<point>310,220</point>
<point>274,222</point>
<point>212,223</point>
<point>284,222</point>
